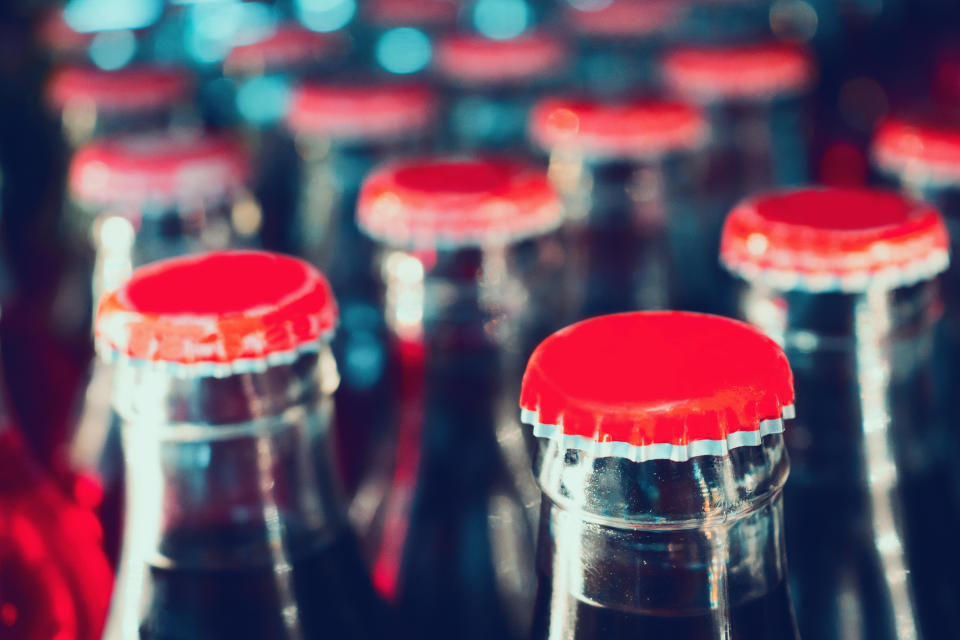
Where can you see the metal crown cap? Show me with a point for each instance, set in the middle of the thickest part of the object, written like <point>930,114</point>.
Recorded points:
<point>475,60</point>
<point>738,72</point>
<point>626,18</point>
<point>640,128</point>
<point>162,170</point>
<point>452,201</point>
<point>843,240</point>
<point>289,45</point>
<point>217,314</point>
<point>657,386</point>
<point>361,111</point>
<point>137,88</point>
<point>925,148</point>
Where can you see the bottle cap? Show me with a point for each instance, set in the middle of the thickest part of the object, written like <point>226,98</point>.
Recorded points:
<point>411,13</point>
<point>626,18</point>
<point>450,202</point>
<point>55,34</point>
<point>138,88</point>
<point>657,386</point>
<point>217,314</point>
<point>640,128</point>
<point>361,111</point>
<point>834,240</point>
<point>289,45</point>
<point>158,170</point>
<point>475,60</point>
<point>739,72</point>
<point>924,148</point>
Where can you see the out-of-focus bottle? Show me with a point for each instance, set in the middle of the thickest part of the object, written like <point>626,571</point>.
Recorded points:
<point>398,36</point>
<point>662,464</point>
<point>261,76</point>
<point>490,86</point>
<point>845,281</point>
<point>469,260</point>
<point>55,580</point>
<point>618,42</point>
<point>224,382</point>
<point>626,171</point>
<point>341,130</point>
<point>755,97</point>
<point>136,200</point>
<point>93,103</point>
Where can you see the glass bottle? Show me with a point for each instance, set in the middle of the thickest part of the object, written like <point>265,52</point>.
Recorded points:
<point>341,130</point>
<point>624,169</point>
<point>662,465</point>
<point>94,103</point>
<point>490,85</point>
<point>255,93</point>
<point>448,510</point>
<point>224,382</point>
<point>135,200</point>
<point>845,281</point>
<point>754,95</point>
<point>618,42</point>
<point>55,580</point>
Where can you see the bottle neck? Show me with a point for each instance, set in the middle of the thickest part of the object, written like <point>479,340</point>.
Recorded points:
<point>232,472</point>
<point>646,545</point>
<point>487,298</point>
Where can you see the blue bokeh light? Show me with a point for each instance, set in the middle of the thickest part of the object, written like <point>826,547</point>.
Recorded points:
<point>85,16</point>
<point>501,19</point>
<point>213,29</point>
<point>403,50</point>
<point>325,15</point>
<point>263,100</point>
<point>111,50</point>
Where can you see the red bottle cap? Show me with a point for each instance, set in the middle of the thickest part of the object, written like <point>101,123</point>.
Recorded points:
<point>217,314</point>
<point>139,88</point>
<point>411,13</point>
<point>657,386</point>
<point>627,18</point>
<point>289,45</point>
<point>361,112</point>
<point>476,60</point>
<point>925,149</point>
<point>645,128</point>
<point>739,72</point>
<point>821,240</point>
<point>162,170</point>
<point>442,202</point>
<point>55,34</point>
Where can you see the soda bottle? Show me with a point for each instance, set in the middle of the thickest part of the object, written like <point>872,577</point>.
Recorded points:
<point>618,41</point>
<point>341,130</point>
<point>490,86</point>
<point>844,279</point>
<point>224,382</point>
<point>661,465</point>
<point>135,200</point>
<point>625,170</point>
<point>93,103</point>
<point>261,76</point>
<point>754,96</point>
<point>54,577</point>
<point>469,255</point>
<point>397,36</point>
